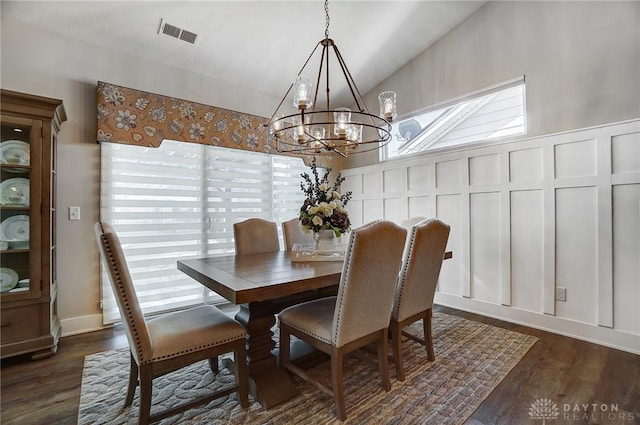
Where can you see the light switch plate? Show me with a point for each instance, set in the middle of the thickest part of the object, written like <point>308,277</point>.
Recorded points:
<point>74,213</point>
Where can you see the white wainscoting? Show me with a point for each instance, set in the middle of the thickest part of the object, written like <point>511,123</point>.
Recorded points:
<point>526,217</point>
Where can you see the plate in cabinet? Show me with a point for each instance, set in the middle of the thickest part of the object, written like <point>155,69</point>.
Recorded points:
<point>8,279</point>
<point>15,228</point>
<point>14,152</point>
<point>14,192</point>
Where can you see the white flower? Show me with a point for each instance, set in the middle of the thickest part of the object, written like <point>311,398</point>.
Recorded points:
<point>313,210</point>
<point>335,195</point>
<point>317,220</point>
<point>323,187</point>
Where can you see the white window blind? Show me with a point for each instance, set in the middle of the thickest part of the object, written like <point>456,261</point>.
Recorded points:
<point>180,201</point>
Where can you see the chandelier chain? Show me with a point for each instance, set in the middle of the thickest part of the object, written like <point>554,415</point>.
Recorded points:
<point>326,11</point>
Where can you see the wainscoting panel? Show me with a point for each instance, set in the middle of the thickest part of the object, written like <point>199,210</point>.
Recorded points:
<point>576,159</point>
<point>394,209</point>
<point>527,249</point>
<point>419,205</point>
<point>484,170</point>
<point>448,174</point>
<point>527,217</point>
<point>453,279</point>
<point>576,253</point>
<point>626,268</point>
<point>486,255</point>
<point>525,166</point>
<point>372,183</point>
<point>394,180</point>
<point>420,177</point>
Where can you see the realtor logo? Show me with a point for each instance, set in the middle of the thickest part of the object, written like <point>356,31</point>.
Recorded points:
<point>544,409</point>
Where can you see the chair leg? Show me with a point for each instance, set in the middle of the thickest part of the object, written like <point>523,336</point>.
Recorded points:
<point>242,374</point>
<point>133,381</point>
<point>383,360</point>
<point>213,365</point>
<point>337,359</point>
<point>428,340</point>
<point>146,382</point>
<point>284,347</point>
<point>396,346</point>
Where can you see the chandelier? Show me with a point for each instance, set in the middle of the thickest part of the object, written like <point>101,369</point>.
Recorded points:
<point>320,130</point>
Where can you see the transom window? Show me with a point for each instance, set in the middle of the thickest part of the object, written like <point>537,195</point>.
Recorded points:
<point>486,115</point>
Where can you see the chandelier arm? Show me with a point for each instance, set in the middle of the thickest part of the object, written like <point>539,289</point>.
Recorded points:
<point>350,81</point>
<point>271,120</point>
<point>328,90</point>
<point>315,97</point>
<point>309,58</point>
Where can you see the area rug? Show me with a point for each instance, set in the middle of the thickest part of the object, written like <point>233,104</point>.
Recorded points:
<point>471,360</point>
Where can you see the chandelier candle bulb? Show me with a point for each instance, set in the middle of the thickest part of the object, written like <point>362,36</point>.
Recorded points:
<point>299,131</point>
<point>355,133</point>
<point>387,101</point>
<point>302,88</point>
<point>342,116</point>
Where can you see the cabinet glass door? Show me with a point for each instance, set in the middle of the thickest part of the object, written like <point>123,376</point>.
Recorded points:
<point>19,200</point>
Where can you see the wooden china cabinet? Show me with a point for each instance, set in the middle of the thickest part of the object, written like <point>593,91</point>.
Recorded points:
<point>29,320</point>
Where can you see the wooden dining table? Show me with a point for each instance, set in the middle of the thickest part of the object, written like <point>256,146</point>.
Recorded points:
<point>263,285</point>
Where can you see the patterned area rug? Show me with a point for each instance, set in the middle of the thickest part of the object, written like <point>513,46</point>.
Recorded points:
<point>471,360</point>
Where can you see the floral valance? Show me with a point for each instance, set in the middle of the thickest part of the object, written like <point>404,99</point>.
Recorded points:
<point>135,117</point>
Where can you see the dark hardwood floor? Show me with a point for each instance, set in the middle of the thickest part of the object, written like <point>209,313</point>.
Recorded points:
<point>597,384</point>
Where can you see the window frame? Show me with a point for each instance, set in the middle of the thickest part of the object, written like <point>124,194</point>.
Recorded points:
<point>497,88</point>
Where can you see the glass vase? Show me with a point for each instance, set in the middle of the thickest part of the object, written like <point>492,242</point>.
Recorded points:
<point>325,240</point>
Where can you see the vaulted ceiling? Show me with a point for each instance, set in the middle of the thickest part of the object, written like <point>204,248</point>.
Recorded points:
<point>258,44</point>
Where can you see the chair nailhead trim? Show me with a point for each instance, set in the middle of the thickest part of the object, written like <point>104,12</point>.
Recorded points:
<point>198,348</point>
<point>347,262</point>
<point>313,334</point>
<point>405,266</point>
<point>120,288</point>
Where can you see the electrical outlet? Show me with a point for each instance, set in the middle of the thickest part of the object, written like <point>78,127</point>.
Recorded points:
<point>561,294</point>
<point>74,213</point>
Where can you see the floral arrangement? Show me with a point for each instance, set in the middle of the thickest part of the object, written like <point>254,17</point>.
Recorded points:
<point>324,206</point>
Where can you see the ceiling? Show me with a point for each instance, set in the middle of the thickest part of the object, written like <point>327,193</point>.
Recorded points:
<point>258,44</point>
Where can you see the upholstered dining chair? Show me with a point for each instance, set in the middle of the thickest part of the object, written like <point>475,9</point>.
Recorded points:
<point>255,235</point>
<point>422,260</point>
<point>171,341</point>
<point>411,221</point>
<point>292,234</point>
<point>360,313</point>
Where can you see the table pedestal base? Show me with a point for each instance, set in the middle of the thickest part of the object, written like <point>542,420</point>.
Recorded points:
<point>269,383</point>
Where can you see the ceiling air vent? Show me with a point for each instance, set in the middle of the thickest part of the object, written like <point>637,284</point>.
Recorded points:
<point>177,32</point>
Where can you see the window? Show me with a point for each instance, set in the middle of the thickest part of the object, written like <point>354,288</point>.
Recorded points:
<point>181,200</point>
<point>490,114</point>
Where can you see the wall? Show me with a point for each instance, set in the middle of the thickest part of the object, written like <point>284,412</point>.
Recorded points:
<point>580,59</point>
<point>581,62</point>
<point>50,65</point>
<point>527,217</point>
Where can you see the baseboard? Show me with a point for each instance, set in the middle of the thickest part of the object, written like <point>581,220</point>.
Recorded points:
<point>586,332</point>
<point>82,324</point>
